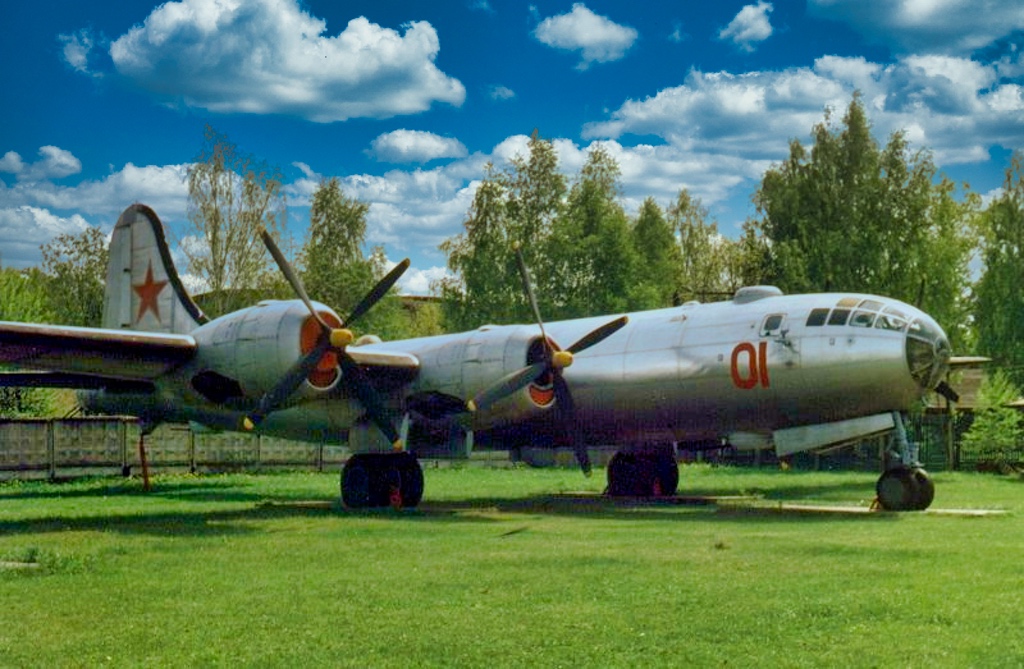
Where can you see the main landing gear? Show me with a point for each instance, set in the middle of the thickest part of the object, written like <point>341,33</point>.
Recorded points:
<point>382,479</point>
<point>643,473</point>
<point>904,486</point>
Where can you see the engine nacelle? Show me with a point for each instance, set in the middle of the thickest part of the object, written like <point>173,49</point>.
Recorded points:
<point>246,353</point>
<point>462,367</point>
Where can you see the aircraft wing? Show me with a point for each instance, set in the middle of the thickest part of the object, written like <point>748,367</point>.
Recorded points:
<point>77,356</point>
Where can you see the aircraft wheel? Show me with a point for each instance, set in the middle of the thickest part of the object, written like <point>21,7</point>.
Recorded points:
<point>925,489</point>
<point>642,475</point>
<point>356,482</point>
<point>666,474</point>
<point>410,478</point>
<point>624,475</point>
<point>897,490</point>
<point>382,479</point>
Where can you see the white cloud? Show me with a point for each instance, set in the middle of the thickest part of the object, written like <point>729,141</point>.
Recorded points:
<point>955,105</point>
<point>419,281</point>
<point>501,93</point>
<point>54,163</point>
<point>12,163</point>
<point>926,26</point>
<point>749,27</point>
<point>415,146</point>
<point>77,49</point>
<point>24,229</point>
<point>271,57</point>
<point>597,38</point>
<point>162,187</point>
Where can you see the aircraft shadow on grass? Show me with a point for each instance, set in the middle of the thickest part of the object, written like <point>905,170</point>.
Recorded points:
<point>199,521</point>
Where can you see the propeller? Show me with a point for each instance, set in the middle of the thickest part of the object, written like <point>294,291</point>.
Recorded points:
<point>331,339</point>
<point>555,360</point>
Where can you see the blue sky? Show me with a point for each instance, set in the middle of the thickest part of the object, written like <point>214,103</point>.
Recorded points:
<point>105,103</point>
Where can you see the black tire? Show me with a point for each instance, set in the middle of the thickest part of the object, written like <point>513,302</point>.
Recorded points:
<point>369,479</point>
<point>925,489</point>
<point>356,482</point>
<point>643,474</point>
<point>897,490</point>
<point>624,476</point>
<point>410,476</point>
<point>666,472</point>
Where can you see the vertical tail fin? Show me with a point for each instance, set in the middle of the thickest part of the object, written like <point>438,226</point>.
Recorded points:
<point>144,291</point>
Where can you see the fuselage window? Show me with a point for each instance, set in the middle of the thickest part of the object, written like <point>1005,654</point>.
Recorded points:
<point>838,317</point>
<point>862,319</point>
<point>817,317</point>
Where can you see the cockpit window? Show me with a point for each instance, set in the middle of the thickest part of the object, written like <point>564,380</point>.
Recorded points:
<point>817,317</point>
<point>862,319</point>
<point>838,317</point>
<point>847,302</point>
<point>887,321</point>
<point>871,305</point>
<point>772,325</point>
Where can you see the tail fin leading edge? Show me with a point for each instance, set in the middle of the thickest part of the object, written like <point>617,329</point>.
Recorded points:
<point>144,291</point>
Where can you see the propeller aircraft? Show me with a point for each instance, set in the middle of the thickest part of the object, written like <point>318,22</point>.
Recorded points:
<point>762,370</point>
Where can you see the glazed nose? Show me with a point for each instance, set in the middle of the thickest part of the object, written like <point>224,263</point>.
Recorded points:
<point>928,352</point>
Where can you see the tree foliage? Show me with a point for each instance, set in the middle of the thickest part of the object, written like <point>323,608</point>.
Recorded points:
<point>706,257</point>
<point>514,207</point>
<point>232,197</point>
<point>24,298</point>
<point>338,274</point>
<point>851,216</point>
<point>996,431</point>
<point>999,307</point>
<point>659,254</point>
<point>75,267</point>
<point>591,256</point>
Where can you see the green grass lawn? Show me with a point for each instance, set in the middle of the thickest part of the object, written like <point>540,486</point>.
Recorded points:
<point>498,568</point>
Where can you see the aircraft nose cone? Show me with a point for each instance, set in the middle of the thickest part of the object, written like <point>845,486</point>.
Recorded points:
<point>928,352</point>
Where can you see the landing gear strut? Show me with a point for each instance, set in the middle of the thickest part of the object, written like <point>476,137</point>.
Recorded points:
<point>905,486</point>
<point>382,479</point>
<point>643,473</point>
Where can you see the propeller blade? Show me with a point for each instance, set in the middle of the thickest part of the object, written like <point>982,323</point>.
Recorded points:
<point>947,391</point>
<point>288,384</point>
<point>507,385</point>
<point>293,279</point>
<point>369,398</point>
<point>379,291</point>
<point>599,335</point>
<point>567,419</point>
<point>528,285</point>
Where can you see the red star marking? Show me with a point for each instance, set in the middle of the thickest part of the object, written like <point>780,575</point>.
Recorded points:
<point>148,293</point>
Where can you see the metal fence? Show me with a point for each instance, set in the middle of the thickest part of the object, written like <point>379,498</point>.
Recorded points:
<point>66,448</point>
<point>104,446</point>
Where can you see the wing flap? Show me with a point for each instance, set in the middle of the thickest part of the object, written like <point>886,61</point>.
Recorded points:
<point>93,352</point>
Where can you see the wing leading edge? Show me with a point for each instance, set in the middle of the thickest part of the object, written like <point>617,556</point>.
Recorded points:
<point>78,354</point>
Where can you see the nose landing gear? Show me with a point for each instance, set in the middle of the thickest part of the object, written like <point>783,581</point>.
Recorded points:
<point>905,486</point>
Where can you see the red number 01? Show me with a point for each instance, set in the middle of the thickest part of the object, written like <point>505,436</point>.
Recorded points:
<point>756,365</point>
